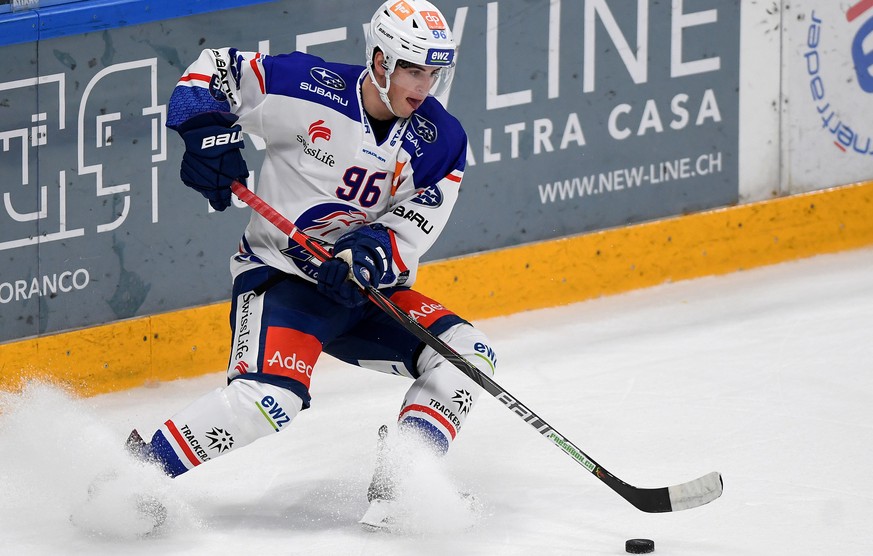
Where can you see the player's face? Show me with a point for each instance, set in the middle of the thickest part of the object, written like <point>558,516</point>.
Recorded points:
<point>410,87</point>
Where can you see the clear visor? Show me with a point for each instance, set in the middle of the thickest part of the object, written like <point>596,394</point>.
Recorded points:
<point>420,79</point>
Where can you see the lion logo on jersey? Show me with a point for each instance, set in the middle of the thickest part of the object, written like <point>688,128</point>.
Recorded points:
<point>324,223</point>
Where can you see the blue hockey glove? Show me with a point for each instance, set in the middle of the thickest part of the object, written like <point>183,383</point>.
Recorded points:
<point>212,159</point>
<point>333,282</point>
<point>367,251</point>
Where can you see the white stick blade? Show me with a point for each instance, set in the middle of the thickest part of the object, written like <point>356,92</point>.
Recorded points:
<point>697,492</point>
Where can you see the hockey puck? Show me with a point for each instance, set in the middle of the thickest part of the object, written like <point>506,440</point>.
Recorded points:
<point>639,546</point>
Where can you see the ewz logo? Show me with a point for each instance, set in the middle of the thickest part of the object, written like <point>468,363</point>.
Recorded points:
<point>274,413</point>
<point>440,57</point>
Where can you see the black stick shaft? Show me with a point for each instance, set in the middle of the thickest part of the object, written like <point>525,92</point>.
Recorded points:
<point>702,490</point>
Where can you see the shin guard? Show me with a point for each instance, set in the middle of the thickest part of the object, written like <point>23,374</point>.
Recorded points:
<point>220,421</point>
<point>441,398</point>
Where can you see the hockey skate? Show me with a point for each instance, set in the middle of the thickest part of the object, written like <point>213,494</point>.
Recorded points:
<point>118,502</point>
<point>382,490</point>
<point>409,492</point>
<point>149,507</point>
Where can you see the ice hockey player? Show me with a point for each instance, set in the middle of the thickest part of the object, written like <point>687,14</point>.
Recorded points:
<point>365,160</point>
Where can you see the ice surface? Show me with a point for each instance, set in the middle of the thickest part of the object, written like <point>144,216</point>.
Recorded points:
<point>764,375</point>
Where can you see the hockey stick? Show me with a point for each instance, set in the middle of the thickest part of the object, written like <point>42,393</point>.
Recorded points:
<point>665,499</point>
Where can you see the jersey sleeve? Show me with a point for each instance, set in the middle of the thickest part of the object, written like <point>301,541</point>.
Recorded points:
<point>426,188</point>
<point>222,80</point>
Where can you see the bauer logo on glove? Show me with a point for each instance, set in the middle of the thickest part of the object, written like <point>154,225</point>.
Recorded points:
<point>213,159</point>
<point>223,139</point>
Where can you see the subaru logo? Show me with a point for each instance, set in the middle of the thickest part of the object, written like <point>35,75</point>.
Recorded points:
<point>430,196</point>
<point>424,128</point>
<point>328,78</point>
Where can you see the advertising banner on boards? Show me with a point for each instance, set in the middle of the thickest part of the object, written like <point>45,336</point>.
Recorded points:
<point>830,67</point>
<point>581,115</point>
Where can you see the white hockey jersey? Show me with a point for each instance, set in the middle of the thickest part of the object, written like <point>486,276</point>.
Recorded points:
<point>323,168</point>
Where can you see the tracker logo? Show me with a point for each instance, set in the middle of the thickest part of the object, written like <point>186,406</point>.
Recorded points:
<point>447,413</point>
<point>464,399</point>
<point>317,130</point>
<point>424,128</point>
<point>192,441</point>
<point>329,79</point>
<point>219,439</point>
<point>831,78</point>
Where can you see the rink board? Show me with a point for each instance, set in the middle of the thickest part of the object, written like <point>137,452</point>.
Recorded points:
<point>96,227</point>
<point>191,342</point>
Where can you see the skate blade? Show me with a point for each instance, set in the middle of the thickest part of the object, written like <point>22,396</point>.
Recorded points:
<point>378,516</point>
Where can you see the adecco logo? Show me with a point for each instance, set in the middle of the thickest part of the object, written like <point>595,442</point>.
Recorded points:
<point>842,97</point>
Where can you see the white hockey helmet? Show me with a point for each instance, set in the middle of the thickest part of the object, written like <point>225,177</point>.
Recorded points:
<point>414,31</point>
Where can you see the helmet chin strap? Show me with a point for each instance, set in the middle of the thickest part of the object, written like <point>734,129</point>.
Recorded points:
<point>383,91</point>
